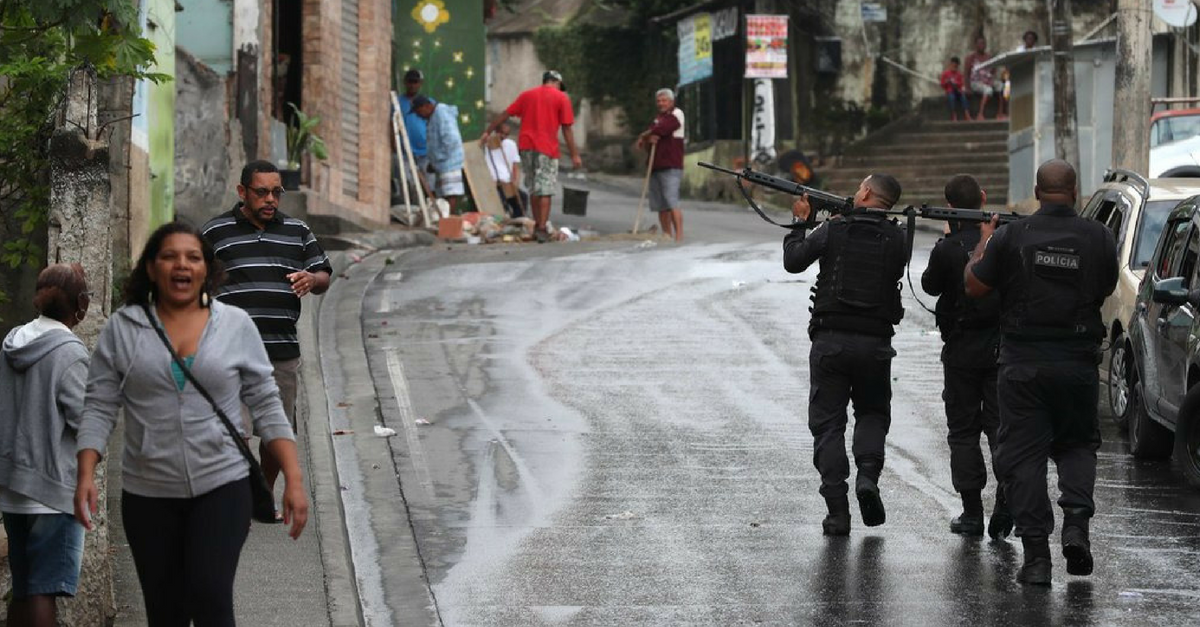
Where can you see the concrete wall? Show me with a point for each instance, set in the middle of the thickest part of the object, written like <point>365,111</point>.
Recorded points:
<point>945,29</point>
<point>204,180</point>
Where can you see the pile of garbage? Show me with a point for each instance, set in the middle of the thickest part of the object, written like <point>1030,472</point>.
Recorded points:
<point>485,228</point>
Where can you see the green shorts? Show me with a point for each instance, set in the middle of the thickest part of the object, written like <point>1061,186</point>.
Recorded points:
<point>541,173</point>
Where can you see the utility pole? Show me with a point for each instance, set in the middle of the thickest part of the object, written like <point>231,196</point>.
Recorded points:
<point>1066,139</point>
<point>1131,109</point>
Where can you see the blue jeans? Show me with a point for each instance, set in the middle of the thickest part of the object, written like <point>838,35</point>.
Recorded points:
<point>44,553</point>
<point>955,97</point>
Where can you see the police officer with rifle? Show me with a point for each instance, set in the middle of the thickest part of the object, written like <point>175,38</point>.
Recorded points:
<point>856,305</point>
<point>970,329</point>
<point>1052,270</point>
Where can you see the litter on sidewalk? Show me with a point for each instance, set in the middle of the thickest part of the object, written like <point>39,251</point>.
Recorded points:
<point>384,432</point>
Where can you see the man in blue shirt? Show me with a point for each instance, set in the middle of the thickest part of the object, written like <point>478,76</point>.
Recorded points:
<point>445,150</point>
<point>415,124</point>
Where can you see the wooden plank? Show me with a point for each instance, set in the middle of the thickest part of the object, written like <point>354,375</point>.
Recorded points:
<point>483,187</point>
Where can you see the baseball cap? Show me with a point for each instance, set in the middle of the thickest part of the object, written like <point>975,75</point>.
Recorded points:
<point>420,101</point>
<point>551,75</point>
<point>413,76</point>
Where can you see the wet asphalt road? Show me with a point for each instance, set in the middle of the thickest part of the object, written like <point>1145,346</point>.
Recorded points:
<point>618,436</point>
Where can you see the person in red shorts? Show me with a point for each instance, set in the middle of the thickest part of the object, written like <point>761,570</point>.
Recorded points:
<point>543,111</point>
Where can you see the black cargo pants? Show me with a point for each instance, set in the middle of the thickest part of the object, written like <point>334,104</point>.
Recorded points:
<point>1047,411</point>
<point>847,367</point>
<point>971,411</point>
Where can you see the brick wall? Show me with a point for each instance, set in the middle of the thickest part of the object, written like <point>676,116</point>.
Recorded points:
<point>322,82</point>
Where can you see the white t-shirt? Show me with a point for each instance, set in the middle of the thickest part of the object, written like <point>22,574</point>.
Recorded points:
<point>500,160</point>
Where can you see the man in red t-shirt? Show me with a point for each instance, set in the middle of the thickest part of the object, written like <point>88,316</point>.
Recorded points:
<point>543,110</point>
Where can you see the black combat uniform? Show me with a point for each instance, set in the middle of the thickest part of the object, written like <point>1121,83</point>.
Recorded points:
<point>856,304</point>
<point>970,331</point>
<point>1053,271</point>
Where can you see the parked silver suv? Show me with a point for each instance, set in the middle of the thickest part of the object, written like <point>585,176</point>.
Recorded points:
<point>1135,208</point>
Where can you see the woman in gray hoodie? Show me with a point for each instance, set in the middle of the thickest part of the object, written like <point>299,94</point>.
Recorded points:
<point>42,378</point>
<point>185,498</point>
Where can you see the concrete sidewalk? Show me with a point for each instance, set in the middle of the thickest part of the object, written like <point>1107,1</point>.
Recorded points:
<point>281,582</point>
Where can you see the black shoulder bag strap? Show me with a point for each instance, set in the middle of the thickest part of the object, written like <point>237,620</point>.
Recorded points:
<point>263,502</point>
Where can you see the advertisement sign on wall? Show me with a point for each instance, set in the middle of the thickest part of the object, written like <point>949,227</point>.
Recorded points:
<point>695,48</point>
<point>766,46</point>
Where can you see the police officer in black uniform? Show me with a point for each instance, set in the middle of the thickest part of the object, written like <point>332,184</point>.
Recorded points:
<point>1053,270</point>
<point>971,331</point>
<point>856,304</point>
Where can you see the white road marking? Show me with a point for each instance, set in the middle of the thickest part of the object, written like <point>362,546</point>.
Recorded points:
<point>407,418</point>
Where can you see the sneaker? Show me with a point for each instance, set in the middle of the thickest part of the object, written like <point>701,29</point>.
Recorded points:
<point>1078,550</point>
<point>869,503</point>
<point>1036,572</point>
<point>967,525</point>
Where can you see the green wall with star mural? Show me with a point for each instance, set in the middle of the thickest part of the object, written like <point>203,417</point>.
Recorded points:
<point>445,40</point>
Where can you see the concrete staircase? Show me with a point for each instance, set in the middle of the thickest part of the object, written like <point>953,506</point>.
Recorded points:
<point>923,152</point>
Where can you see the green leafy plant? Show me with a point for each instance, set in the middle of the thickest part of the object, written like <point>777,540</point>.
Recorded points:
<point>301,138</point>
<point>41,43</point>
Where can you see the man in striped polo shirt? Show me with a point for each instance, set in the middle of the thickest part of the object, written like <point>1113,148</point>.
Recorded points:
<point>270,261</point>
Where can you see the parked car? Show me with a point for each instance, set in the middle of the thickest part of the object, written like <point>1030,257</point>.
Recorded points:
<point>1173,125</point>
<point>1164,340</point>
<point>1179,158</point>
<point>1135,209</point>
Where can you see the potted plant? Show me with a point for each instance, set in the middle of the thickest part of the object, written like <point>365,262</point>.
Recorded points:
<point>301,139</point>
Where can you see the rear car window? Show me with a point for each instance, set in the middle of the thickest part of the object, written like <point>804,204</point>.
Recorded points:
<point>1150,226</point>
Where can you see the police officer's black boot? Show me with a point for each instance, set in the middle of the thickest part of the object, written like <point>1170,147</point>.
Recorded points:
<point>869,503</point>
<point>1037,566</point>
<point>970,522</point>
<point>837,521</point>
<point>1077,547</point>
<point>1001,523</point>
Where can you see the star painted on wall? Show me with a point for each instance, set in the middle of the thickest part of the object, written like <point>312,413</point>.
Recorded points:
<point>450,83</point>
<point>430,14</point>
<point>417,57</point>
<point>466,118</point>
<point>478,104</point>
<point>458,56</point>
<point>469,72</point>
<point>437,43</point>
<point>416,43</point>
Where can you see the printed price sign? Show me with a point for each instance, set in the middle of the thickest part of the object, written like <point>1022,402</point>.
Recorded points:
<point>766,46</point>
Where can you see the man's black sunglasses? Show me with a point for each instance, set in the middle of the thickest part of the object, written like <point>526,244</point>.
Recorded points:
<point>262,192</point>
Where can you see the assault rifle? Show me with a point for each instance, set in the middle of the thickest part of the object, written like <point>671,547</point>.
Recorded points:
<point>833,204</point>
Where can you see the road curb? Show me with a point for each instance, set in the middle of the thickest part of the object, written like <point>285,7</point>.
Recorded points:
<point>340,590</point>
<point>386,579</point>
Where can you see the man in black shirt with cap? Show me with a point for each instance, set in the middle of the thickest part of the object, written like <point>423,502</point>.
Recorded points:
<point>856,305</point>
<point>1053,271</point>
<point>971,331</point>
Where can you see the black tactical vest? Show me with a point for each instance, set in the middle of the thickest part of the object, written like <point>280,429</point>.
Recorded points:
<point>1055,293</point>
<point>858,287</point>
<point>966,313</point>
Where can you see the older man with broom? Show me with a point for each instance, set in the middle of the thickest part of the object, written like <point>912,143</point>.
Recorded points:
<point>665,138</point>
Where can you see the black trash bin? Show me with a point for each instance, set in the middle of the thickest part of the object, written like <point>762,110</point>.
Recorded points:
<point>574,201</point>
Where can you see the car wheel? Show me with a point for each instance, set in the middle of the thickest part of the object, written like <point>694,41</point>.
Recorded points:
<point>1147,439</point>
<point>1187,437</point>
<point>1118,381</point>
